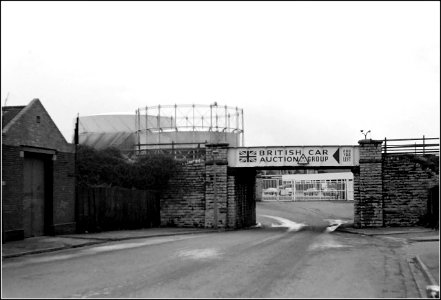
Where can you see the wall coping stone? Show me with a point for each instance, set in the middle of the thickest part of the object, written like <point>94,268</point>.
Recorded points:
<point>370,141</point>
<point>219,145</point>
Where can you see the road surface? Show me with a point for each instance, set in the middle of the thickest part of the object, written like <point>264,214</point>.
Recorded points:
<point>291,254</point>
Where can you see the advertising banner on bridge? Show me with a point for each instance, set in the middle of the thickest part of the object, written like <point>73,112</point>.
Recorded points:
<point>306,156</point>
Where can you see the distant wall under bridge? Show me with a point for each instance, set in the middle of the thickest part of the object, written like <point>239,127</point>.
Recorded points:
<point>389,190</point>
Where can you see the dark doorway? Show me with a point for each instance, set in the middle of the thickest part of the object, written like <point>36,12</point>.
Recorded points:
<point>37,200</point>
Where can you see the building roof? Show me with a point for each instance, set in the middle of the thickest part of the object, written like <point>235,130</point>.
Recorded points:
<point>101,140</point>
<point>32,126</point>
<point>107,123</point>
<point>119,122</point>
<point>9,113</point>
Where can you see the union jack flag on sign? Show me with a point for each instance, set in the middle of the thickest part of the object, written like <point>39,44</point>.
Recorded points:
<point>248,156</point>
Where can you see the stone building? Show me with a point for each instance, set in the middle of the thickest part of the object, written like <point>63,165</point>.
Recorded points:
<point>38,174</point>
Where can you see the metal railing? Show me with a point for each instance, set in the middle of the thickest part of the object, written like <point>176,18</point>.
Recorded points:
<point>411,146</point>
<point>179,151</point>
<point>304,190</point>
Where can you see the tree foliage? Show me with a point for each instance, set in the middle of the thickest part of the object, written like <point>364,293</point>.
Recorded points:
<point>110,167</point>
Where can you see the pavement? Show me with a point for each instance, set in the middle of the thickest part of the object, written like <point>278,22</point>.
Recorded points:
<point>422,248</point>
<point>41,244</point>
<point>421,245</point>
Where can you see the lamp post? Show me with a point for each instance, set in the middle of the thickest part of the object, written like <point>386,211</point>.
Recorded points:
<point>365,134</point>
<point>214,154</point>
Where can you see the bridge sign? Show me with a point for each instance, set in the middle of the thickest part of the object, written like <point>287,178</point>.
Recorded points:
<point>286,156</point>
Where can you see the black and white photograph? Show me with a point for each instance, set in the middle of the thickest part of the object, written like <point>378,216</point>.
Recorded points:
<point>220,149</point>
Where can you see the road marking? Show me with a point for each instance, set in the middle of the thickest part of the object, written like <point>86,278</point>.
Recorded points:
<point>258,225</point>
<point>292,226</point>
<point>200,253</point>
<point>326,242</point>
<point>334,224</point>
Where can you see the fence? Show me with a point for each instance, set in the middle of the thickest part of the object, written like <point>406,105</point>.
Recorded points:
<point>325,186</point>
<point>105,208</point>
<point>414,145</point>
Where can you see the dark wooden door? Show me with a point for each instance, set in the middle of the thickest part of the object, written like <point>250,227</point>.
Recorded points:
<point>34,197</point>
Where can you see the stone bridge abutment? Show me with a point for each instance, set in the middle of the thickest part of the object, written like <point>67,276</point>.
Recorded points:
<point>389,190</point>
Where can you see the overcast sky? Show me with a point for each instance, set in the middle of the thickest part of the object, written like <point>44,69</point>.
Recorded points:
<point>305,73</point>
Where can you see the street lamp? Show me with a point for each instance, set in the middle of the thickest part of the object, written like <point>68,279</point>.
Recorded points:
<point>214,153</point>
<point>365,134</point>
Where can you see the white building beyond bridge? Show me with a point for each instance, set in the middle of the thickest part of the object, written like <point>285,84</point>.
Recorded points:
<point>303,187</point>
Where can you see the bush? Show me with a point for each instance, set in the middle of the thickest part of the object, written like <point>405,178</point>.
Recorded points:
<point>109,167</point>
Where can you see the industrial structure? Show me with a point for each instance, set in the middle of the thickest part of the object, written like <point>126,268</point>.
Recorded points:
<point>184,126</point>
<point>164,127</point>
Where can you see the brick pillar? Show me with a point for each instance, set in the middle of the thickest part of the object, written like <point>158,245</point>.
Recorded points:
<point>216,205</point>
<point>368,206</point>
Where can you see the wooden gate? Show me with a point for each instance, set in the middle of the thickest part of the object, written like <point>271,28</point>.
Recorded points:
<point>34,197</point>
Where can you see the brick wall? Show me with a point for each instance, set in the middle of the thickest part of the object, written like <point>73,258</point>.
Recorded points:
<point>62,192</point>
<point>12,193</point>
<point>32,131</point>
<point>406,183</point>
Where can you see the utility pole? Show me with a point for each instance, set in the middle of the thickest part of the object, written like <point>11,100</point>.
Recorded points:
<point>6,99</point>
<point>77,204</point>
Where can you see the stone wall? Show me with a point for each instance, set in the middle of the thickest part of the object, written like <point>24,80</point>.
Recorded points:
<point>391,189</point>
<point>368,207</point>
<point>259,188</point>
<point>216,205</point>
<point>206,193</point>
<point>406,184</point>
<point>183,201</point>
<point>357,208</point>
<point>388,191</point>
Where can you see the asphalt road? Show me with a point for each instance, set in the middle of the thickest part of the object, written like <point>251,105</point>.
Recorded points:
<point>282,259</point>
